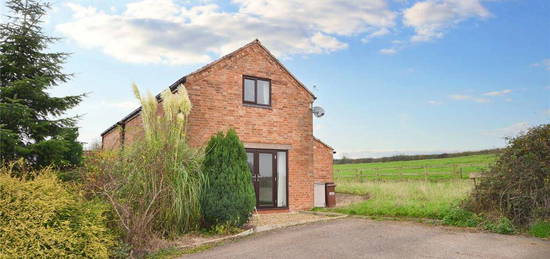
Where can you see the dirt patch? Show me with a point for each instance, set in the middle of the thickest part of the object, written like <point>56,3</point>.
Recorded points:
<point>277,219</point>
<point>344,199</point>
<point>189,239</point>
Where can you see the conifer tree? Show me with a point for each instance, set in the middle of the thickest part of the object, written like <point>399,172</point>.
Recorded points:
<point>228,197</point>
<point>32,122</point>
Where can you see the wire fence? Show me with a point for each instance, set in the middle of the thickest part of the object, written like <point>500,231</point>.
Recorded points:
<point>426,172</point>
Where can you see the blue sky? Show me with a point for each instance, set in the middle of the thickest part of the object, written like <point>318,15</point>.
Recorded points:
<point>395,76</point>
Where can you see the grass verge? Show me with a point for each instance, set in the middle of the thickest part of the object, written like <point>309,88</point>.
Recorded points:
<point>421,199</point>
<point>174,252</point>
<point>417,199</point>
<point>540,229</point>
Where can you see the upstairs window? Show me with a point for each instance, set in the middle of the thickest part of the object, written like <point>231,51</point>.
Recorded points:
<point>256,91</point>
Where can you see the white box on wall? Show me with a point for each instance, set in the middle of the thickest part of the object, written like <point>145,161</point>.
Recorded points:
<point>319,195</point>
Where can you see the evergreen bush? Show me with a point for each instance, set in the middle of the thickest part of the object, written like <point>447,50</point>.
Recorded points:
<point>228,196</point>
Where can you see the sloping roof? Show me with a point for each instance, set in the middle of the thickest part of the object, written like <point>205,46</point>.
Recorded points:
<point>182,80</point>
<point>322,143</point>
<point>135,112</point>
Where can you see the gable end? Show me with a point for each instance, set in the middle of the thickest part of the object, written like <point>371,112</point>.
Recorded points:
<point>182,80</point>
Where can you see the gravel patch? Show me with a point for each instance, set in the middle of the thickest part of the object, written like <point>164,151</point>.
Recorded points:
<point>290,218</point>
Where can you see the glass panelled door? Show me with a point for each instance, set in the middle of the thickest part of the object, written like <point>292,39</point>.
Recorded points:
<point>269,179</point>
<point>266,180</point>
<point>252,165</point>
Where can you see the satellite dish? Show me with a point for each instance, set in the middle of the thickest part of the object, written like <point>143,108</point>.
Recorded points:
<point>318,111</point>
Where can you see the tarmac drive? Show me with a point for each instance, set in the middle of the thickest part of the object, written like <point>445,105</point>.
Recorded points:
<point>362,238</point>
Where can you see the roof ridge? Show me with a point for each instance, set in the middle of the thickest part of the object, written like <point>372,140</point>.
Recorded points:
<point>285,69</point>
<point>255,41</point>
<point>222,58</point>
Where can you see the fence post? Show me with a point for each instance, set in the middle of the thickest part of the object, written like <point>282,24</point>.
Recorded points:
<point>425,173</point>
<point>357,176</point>
<point>461,173</point>
<point>455,172</point>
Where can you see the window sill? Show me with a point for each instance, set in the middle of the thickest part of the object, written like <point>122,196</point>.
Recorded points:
<point>258,106</point>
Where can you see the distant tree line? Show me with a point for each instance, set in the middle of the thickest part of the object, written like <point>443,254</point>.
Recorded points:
<point>345,160</point>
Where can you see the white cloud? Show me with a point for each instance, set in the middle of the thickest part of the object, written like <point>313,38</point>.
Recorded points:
<point>508,131</point>
<point>497,93</point>
<point>546,112</point>
<point>545,63</point>
<point>433,102</point>
<point>396,46</point>
<point>431,18</point>
<point>162,31</point>
<point>460,97</point>
<point>388,51</point>
<point>376,34</point>
<point>327,43</point>
<point>342,17</point>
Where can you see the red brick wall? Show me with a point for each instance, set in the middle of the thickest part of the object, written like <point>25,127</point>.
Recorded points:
<point>112,139</point>
<point>133,129</point>
<point>216,95</point>
<point>322,157</point>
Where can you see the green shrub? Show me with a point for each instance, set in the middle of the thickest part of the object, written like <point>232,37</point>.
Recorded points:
<point>502,226</point>
<point>40,218</point>
<point>518,185</point>
<point>153,184</point>
<point>460,218</point>
<point>223,229</point>
<point>228,196</point>
<point>540,229</point>
<point>463,218</point>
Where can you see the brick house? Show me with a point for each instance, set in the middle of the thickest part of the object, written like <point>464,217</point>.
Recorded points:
<point>251,91</point>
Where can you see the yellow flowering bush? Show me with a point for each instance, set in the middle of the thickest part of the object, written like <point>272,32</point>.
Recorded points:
<point>40,218</point>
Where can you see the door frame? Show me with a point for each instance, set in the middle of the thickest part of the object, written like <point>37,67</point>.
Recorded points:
<point>275,178</point>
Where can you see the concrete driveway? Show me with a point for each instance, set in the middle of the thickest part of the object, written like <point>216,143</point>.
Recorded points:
<point>361,238</point>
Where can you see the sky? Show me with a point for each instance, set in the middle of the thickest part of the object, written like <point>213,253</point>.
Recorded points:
<point>394,76</point>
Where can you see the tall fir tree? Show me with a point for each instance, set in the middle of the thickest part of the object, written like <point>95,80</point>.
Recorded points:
<point>32,122</point>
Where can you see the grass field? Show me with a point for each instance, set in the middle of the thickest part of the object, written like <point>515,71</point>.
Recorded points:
<point>406,198</point>
<point>435,169</point>
<point>398,192</point>
<point>401,192</point>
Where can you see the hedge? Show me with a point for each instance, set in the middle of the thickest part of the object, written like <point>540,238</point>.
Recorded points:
<point>40,218</point>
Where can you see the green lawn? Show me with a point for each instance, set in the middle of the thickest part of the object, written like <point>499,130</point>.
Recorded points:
<point>443,168</point>
<point>406,198</point>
